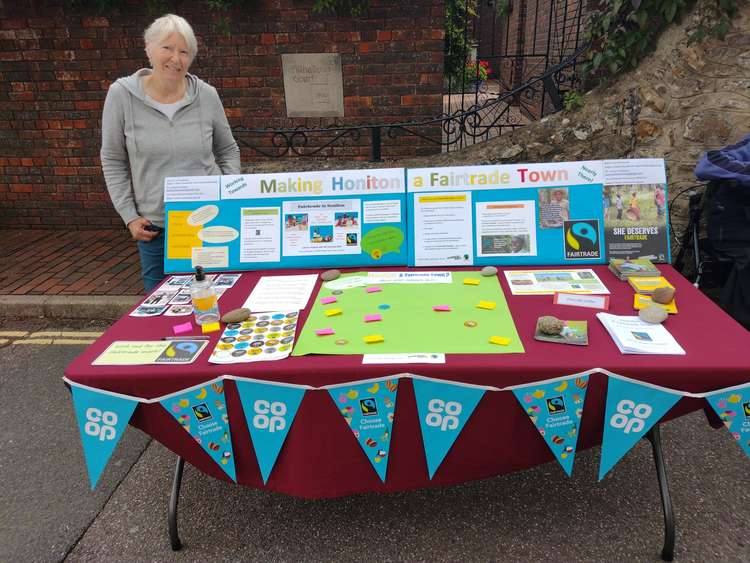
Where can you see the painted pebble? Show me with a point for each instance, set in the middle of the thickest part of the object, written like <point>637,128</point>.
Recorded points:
<point>236,315</point>
<point>653,314</point>
<point>488,271</point>
<point>663,295</point>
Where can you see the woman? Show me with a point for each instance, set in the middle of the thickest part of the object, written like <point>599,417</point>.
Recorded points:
<point>156,123</point>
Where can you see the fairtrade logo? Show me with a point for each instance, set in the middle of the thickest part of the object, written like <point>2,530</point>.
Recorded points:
<point>101,424</point>
<point>443,415</point>
<point>629,424</point>
<point>275,421</point>
<point>555,405</point>
<point>202,413</point>
<point>582,239</point>
<point>368,406</point>
<point>746,409</point>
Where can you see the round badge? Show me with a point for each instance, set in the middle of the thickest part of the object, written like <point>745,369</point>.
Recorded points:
<point>228,339</point>
<point>238,353</point>
<point>233,325</point>
<point>269,350</point>
<point>261,330</point>
<point>342,342</point>
<point>256,344</point>
<point>262,323</point>
<point>284,348</point>
<point>287,340</point>
<point>291,315</point>
<point>278,316</point>
<point>273,335</point>
<point>272,342</point>
<point>247,325</point>
<point>470,324</point>
<point>241,345</point>
<point>264,317</point>
<point>252,319</point>
<point>288,333</point>
<point>277,322</point>
<point>231,333</point>
<point>384,306</point>
<point>224,346</point>
<point>243,338</point>
<point>290,326</point>
<point>254,351</point>
<point>259,337</point>
<point>246,331</point>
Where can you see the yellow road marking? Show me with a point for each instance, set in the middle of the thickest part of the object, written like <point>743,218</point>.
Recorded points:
<point>37,341</point>
<point>15,333</point>
<point>3,341</point>
<point>81,334</point>
<point>85,341</point>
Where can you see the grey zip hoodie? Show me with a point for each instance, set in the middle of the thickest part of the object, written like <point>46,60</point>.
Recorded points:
<point>141,146</point>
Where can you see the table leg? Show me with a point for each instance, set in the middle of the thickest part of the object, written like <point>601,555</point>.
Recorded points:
<point>174,538</point>
<point>654,436</point>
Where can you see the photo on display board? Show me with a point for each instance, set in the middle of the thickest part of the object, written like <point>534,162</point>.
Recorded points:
<point>635,221</point>
<point>554,207</point>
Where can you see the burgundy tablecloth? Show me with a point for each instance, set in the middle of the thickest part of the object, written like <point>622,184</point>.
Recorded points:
<point>321,457</point>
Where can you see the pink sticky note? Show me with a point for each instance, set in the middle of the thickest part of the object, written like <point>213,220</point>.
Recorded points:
<point>441,308</point>
<point>373,318</point>
<point>325,331</point>
<point>327,300</point>
<point>373,289</point>
<point>182,328</point>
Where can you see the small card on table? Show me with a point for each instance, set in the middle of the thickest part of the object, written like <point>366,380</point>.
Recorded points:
<point>579,300</point>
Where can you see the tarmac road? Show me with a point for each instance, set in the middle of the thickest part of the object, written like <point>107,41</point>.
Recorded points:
<point>49,513</point>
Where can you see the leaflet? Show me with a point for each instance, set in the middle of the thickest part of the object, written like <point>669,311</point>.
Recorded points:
<point>135,353</point>
<point>442,229</point>
<point>634,336</point>
<point>281,293</point>
<point>548,282</point>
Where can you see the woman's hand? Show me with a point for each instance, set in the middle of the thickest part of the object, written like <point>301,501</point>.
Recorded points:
<point>138,232</point>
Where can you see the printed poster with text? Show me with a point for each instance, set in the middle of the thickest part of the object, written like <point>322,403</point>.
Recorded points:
<point>517,214</point>
<point>291,220</point>
<point>635,209</point>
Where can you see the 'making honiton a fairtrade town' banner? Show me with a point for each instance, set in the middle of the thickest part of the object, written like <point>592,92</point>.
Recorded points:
<point>102,418</point>
<point>555,409</point>
<point>632,409</point>
<point>733,407</point>
<point>202,412</point>
<point>368,409</point>
<point>443,410</point>
<point>269,411</point>
<point>291,220</point>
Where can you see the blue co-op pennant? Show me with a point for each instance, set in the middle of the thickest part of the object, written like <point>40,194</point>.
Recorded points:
<point>733,407</point>
<point>102,418</point>
<point>632,409</point>
<point>369,408</point>
<point>555,409</point>
<point>269,411</point>
<point>443,410</point>
<point>202,412</point>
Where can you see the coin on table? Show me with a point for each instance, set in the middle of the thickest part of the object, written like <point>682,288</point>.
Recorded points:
<point>342,342</point>
<point>470,324</point>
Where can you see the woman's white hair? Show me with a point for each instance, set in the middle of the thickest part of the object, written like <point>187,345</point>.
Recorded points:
<point>167,25</point>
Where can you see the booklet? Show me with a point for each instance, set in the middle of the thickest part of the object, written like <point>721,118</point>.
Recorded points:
<point>573,332</point>
<point>649,284</point>
<point>143,352</point>
<point>548,282</point>
<point>634,336</point>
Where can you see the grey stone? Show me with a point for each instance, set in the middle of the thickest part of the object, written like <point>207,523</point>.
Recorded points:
<point>653,314</point>
<point>330,275</point>
<point>488,271</point>
<point>236,315</point>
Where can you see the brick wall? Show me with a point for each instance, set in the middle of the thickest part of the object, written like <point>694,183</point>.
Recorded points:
<point>57,62</point>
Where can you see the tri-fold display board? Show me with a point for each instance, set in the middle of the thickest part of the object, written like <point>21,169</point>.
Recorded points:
<point>518,214</point>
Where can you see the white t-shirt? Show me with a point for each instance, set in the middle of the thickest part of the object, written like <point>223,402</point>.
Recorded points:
<point>167,109</point>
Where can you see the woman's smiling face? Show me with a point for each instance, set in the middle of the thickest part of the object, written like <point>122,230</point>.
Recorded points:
<point>169,57</point>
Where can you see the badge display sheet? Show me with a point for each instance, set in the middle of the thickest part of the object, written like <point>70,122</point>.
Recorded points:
<point>262,337</point>
<point>408,321</point>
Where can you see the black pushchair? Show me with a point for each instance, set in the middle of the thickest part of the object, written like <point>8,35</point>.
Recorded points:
<point>724,253</point>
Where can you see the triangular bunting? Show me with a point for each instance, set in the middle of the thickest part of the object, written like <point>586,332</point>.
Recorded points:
<point>733,407</point>
<point>269,412</point>
<point>443,410</point>
<point>102,418</point>
<point>632,409</point>
<point>202,412</point>
<point>555,409</point>
<point>369,408</point>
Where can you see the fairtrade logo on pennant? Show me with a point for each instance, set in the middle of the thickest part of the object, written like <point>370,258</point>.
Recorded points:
<point>563,403</point>
<point>733,408</point>
<point>444,409</point>
<point>102,418</point>
<point>631,410</point>
<point>368,409</point>
<point>269,411</point>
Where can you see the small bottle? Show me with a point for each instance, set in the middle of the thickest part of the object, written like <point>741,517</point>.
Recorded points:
<point>203,293</point>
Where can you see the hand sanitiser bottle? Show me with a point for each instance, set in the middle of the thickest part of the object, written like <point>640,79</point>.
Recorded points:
<point>203,293</point>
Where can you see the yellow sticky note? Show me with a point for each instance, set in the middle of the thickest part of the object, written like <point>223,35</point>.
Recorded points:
<point>373,338</point>
<point>486,305</point>
<point>471,281</point>
<point>210,327</point>
<point>332,312</point>
<point>501,340</point>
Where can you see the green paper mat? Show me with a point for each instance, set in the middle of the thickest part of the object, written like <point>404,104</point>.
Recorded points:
<point>410,325</point>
